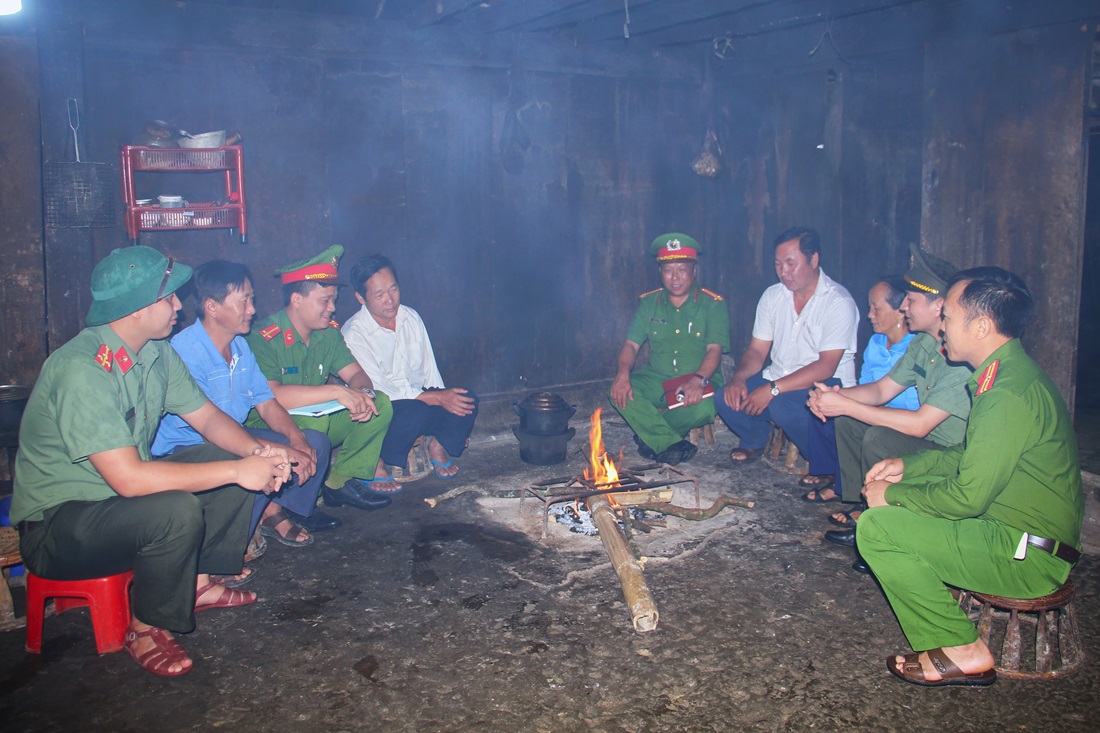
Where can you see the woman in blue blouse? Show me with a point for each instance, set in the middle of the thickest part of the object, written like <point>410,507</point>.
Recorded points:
<point>889,342</point>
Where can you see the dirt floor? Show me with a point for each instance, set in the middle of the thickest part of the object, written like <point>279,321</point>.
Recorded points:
<point>461,618</point>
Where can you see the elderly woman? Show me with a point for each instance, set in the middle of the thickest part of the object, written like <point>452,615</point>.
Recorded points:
<point>887,345</point>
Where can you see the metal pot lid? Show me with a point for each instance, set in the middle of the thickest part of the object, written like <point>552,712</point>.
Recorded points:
<point>14,392</point>
<point>545,402</point>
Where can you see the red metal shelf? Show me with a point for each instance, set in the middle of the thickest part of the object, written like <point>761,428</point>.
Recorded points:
<point>229,160</point>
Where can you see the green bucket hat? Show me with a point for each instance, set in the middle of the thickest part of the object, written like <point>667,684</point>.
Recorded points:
<point>130,279</point>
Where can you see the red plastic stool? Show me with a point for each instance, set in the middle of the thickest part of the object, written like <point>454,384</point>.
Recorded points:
<point>108,599</point>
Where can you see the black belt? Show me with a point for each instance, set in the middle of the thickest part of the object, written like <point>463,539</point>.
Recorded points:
<point>25,527</point>
<point>1059,549</point>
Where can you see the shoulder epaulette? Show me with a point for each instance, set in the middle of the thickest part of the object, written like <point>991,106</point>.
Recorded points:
<point>651,292</point>
<point>713,295</point>
<point>103,357</point>
<point>270,332</point>
<point>988,377</point>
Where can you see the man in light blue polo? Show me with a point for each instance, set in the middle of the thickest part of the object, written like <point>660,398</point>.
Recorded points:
<point>218,357</point>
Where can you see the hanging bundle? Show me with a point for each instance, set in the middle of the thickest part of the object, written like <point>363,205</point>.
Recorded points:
<point>709,162</point>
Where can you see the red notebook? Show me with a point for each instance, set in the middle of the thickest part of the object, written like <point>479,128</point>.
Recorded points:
<point>674,397</point>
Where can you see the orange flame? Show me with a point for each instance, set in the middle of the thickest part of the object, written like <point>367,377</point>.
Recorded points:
<point>601,469</point>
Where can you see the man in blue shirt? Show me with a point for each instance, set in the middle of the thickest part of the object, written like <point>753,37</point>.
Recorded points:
<point>222,363</point>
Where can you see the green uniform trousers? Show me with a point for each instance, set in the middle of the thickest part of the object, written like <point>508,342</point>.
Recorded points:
<point>860,446</point>
<point>915,558</point>
<point>165,538</point>
<point>659,428</point>
<point>360,443</point>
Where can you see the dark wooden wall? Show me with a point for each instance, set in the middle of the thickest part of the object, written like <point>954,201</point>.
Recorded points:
<point>391,142</point>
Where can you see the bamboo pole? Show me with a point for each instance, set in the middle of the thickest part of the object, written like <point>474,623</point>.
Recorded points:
<point>643,611</point>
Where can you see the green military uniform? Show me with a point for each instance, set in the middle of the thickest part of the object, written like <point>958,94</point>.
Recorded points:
<point>678,340</point>
<point>958,516</point>
<point>285,358</point>
<point>939,383</point>
<point>93,396</point>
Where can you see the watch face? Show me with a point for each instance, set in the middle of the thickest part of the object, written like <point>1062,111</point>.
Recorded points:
<point>775,390</point>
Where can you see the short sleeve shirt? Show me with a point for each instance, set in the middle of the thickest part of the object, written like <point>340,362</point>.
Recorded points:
<point>284,358</point>
<point>678,337</point>
<point>400,362</point>
<point>828,322</point>
<point>87,401</point>
<point>235,388</point>
<point>939,383</point>
<point>878,358</point>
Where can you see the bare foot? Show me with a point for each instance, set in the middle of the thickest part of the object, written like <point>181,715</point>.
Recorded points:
<point>846,519</point>
<point>384,483</point>
<point>444,466</point>
<point>971,658</point>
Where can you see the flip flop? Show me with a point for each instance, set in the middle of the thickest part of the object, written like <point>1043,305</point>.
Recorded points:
<point>813,481</point>
<point>230,598</point>
<point>437,465</point>
<point>748,455</point>
<point>814,496</point>
<point>913,672</point>
<point>848,521</point>
<point>166,651</point>
<point>383,479</point>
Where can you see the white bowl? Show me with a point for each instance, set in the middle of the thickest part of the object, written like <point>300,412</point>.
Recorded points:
<point>214,139</point>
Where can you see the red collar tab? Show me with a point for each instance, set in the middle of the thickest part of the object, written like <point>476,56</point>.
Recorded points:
<point>334,324</point>
<point>288,337</point>
<point>270,332</point>
<point>125,363</point>
<point>989,376</point>
<point>103,357</point>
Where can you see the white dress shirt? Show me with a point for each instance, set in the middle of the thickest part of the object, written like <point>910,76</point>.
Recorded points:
<point>400,362</point>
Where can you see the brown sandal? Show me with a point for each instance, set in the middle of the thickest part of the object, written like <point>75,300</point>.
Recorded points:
<point>230,598</point>
<point>912,671</point>
<point>166,651</point>
<point>269,527</point>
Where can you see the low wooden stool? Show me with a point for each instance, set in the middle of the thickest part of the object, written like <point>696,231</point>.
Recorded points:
<point>9,555</point>
<point>702,434</point>
<point>1055,645</point>
<point>419,464</point>
<point>783,455</point>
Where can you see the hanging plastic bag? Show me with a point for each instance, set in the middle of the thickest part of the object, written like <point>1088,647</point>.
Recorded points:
<point>709,162</point>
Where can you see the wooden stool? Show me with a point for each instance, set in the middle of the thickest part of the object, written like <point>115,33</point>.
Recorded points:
<point>9,555</point>
<point>783,455</point>
<point>702,434</point>
<point>1055,644</point>
<point>419,463</point>
<point>108,600</point>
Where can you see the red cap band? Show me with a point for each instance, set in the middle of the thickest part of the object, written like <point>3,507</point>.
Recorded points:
<point>313,272</point>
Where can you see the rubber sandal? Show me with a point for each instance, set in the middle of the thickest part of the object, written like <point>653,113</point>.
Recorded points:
<point>230,598</point>
<point>848,522</point>
<point>913,672</point>
<point>814,495</point>
<point>269,528</point>
<point>748,455</point>
<point>369,483</point>
<point>257,546</point>
<point>234,581</point>
<point>813,481</point>
<point>166,651</point>
<point>437,465</point>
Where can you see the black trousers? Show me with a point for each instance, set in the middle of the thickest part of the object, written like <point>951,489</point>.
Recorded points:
<point>166,538</point>
<point>413,418</point>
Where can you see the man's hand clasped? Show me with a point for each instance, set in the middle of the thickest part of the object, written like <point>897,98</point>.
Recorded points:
<point>737,396</point>
<point>266,470</point>
<point>360,405</point>
<point>826,401</point>
<point>879,478</point>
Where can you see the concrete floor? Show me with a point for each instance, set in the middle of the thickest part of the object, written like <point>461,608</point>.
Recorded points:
<point>460,618</point>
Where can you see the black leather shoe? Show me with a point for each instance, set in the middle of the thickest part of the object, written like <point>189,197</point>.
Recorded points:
<point>861,566</point>
<point>677,453</point>
<point>842,537</point>
<point>644,450</point>
<point>353,493</point>
<point>316,522</point>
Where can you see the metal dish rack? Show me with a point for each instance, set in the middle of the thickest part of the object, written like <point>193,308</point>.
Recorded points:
<point>227,212</point>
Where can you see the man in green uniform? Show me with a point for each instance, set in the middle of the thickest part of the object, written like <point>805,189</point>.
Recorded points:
<point>688,331</point>
<point>89,500</point>
<point>999,513</point>
<point>866,430</point>
<point>297,349</point>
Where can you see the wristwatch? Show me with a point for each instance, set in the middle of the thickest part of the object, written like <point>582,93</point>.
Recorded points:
<point>702,380</point>
<point>368,392</point>
<point>775,389</point>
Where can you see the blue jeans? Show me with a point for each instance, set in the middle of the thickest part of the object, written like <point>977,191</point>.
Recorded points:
<point>788,411</point>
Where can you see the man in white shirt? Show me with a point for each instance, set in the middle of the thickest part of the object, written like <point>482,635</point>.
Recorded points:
<point>390,342</point>
<point>807,324</point>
